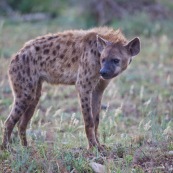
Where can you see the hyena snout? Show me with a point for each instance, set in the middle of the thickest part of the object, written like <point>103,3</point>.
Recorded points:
<point>105,73</point>
<point>109,70</point>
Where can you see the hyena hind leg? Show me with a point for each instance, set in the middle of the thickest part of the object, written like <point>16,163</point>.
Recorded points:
<point>18,109</point>
<point>23,97</point>
<point>24,120</point>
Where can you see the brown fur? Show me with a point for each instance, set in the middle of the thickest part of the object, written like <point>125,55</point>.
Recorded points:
<point>69,57</point>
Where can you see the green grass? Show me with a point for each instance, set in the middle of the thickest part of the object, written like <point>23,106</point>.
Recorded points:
<point>136,127</point>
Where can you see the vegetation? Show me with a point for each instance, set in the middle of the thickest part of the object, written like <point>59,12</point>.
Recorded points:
<point>137,122</point>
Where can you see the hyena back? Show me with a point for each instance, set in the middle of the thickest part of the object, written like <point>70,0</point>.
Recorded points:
<point>87,59</point>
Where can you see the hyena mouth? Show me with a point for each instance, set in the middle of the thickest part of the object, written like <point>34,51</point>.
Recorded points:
<point>107,77</point>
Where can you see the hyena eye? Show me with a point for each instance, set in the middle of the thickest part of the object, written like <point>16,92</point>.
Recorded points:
<point>116,61</point>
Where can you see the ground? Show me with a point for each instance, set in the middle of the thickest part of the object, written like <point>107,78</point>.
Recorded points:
<point>136,118</point>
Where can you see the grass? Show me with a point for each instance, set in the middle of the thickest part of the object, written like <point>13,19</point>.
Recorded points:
<point>136,127</point>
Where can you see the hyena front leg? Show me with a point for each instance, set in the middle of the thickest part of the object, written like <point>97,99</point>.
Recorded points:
<point>23,122</point>
<point>96,103</point>
<point>85,100</point>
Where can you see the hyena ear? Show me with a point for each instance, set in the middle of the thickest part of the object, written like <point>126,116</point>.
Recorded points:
<point>101,43</point>
<point>133,46</point>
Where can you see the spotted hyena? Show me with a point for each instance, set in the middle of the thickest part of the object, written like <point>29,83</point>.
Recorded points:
<point>87,59</point>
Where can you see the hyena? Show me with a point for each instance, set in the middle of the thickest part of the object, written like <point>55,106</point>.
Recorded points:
<point>87,59</point>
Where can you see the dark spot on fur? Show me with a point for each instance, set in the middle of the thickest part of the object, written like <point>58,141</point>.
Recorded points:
<point>88,110</point>
<point>15,120</point>
<point>58,47</point>
<point>23,57</point>
<point>87,92</point>
<point>46,51</point>
<point>17,110</point>
<point>30,85</point>
<point>90,42</point>
<point>34,61</point>
<point>27,96</point>
<point>62,56</point>
<point>28,71</point>
<point>69,43</point>
<point>45,45</point>
<point>17,58</point>
<point>50,44</point>
<point>73,60</point>
<point>68,65</point>
<point>47,58</point>
<point>13,69</point>
<point>50,38</point>
<point>41,64</point>
<point>74,51</point>
<point>37,48</point>
<point>27,60</point>
<point>54,52</point>
<point>19,75</point>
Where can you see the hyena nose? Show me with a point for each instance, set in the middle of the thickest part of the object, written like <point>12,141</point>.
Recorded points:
<point>104,72</point>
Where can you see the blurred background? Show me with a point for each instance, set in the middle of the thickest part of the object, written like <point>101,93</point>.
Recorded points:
<point>138,105</point>
<point>137,17</point>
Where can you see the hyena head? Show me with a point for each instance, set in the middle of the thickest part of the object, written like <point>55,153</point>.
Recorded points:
<point>115,57</point>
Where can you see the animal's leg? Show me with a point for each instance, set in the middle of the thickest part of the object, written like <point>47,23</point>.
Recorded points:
<point>23,122</point>
<point>96,103</point>
<point>19,108</point>
<point>85,100</point>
